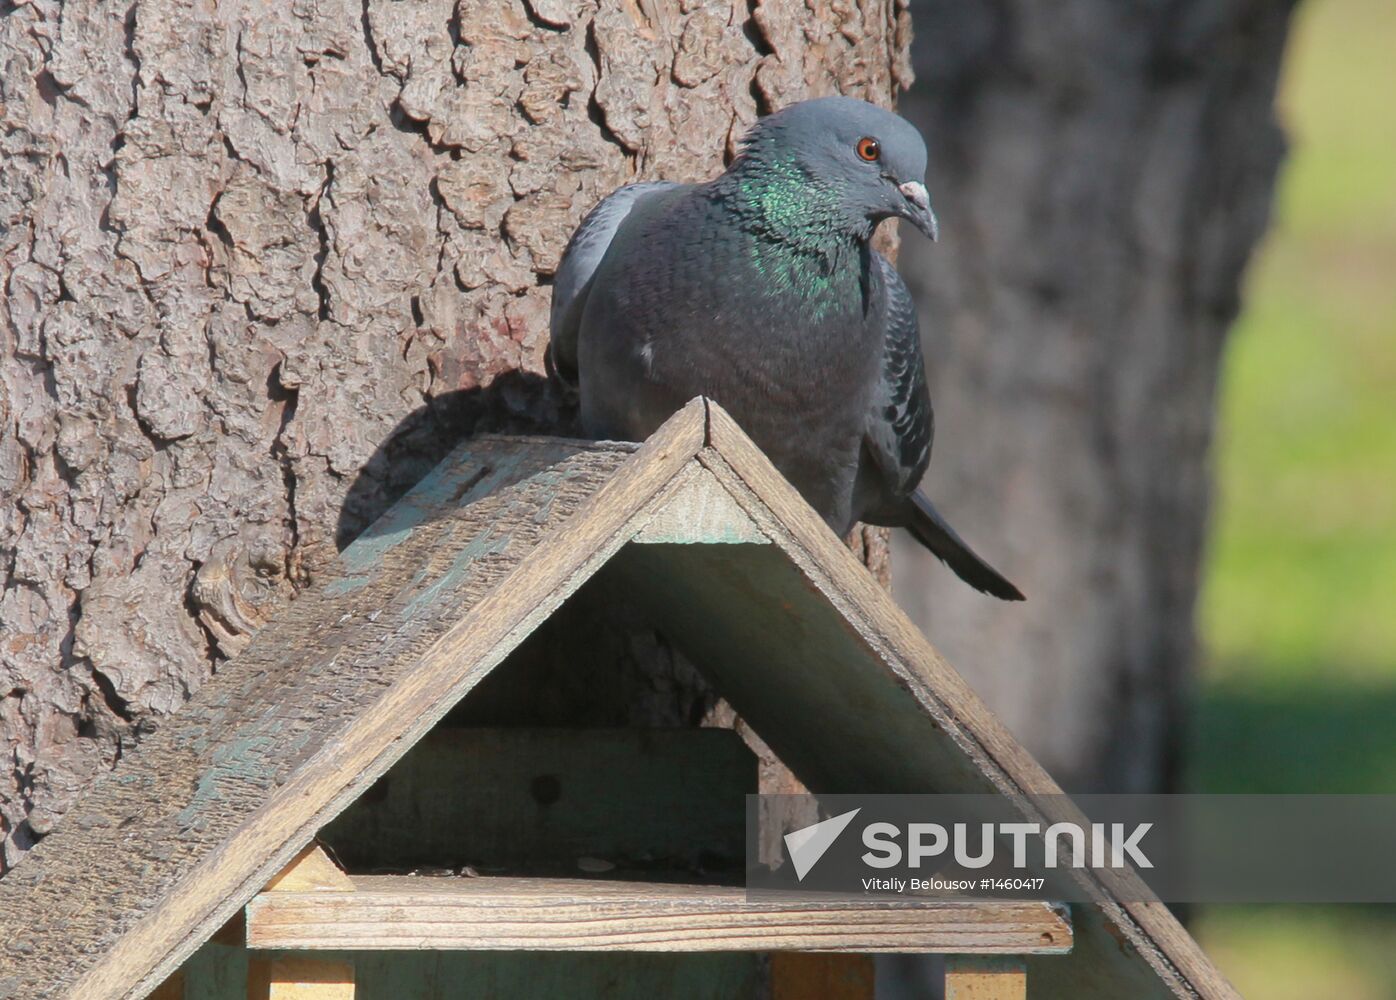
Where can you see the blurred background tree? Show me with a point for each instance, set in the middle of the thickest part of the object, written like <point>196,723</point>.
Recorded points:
<point>1087,484</point>
<point>1298,615</point>
<point>1103,172</point>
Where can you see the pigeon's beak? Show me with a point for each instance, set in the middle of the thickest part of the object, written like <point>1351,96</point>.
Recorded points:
<point>918,209</point>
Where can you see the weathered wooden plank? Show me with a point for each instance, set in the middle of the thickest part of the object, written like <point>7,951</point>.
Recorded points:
<point>537,800</point>
<point>743,614</point>
<point>985,977</point>
<point>300,977</point>
<point>701,511</point>
<point>321,703</point>
<point>484,914</point>
<point>805,975</point>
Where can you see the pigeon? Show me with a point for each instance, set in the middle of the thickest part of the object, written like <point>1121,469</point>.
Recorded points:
<point>760,290</point>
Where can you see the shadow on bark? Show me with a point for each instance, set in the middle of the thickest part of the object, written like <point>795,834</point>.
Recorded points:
<point>514,403</point>
<point>594,662</point>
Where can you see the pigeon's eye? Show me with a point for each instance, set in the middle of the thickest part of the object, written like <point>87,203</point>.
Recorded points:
<point>869,149</point>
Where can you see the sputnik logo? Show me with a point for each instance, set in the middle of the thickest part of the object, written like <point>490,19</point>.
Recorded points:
<point>807,845</point>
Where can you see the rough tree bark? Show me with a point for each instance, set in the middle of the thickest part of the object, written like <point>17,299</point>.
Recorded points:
<point>1102,171</point>
<point>261,261</point>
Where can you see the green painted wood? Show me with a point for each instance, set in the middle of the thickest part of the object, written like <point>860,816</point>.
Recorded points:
<point>536,800</point>
<point>799,673</point>
<point>219,972</point>
<point>744,614</point>
<point>216,972</point>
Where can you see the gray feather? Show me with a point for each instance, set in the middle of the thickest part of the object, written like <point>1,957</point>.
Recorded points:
<point>572,282</point>
<point>897,446</point>
<point>901,424</point>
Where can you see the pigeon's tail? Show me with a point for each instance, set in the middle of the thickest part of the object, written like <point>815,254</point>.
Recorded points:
<point>931,530</point>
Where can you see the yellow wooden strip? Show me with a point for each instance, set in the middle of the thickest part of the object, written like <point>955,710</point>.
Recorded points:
<point>311,869</point>
<point>296,977</point>
<point>985,977</point>
<point>506,914</point>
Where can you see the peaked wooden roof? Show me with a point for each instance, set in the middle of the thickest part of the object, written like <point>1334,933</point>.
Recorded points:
<point>792,629</point>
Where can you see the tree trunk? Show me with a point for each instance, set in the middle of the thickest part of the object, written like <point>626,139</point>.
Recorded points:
<point>262,263</point>
<point>1102,171</point>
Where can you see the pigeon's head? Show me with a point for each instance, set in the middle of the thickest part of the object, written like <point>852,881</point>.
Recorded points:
<point>871,160</point>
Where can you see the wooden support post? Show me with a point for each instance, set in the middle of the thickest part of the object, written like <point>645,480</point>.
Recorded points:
<point>805,975</point>
<point>295,977</point>
<point>985,977</point>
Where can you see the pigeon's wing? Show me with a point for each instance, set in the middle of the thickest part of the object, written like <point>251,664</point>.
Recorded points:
<point>900,423</point>
<point>897,446</point>
<point>572,281</point>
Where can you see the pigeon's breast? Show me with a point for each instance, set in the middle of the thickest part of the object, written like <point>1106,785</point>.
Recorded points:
<point>781,337</point>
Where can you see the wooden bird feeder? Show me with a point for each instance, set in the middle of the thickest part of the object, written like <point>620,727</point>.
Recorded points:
<point>277,838</point>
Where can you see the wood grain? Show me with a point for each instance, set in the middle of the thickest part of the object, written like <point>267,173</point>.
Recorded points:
<point>985,977</point>
<point>486,914</point>
<point>222,974</point>
<point>700,512</point>
<point>311,869</point>
<point>299,977</point>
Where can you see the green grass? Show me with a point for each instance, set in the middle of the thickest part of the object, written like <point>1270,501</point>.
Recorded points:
<point>1303,570</point>
<point>1313,953</point>
<point>1298,614</point>
<point>1294,736</point>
